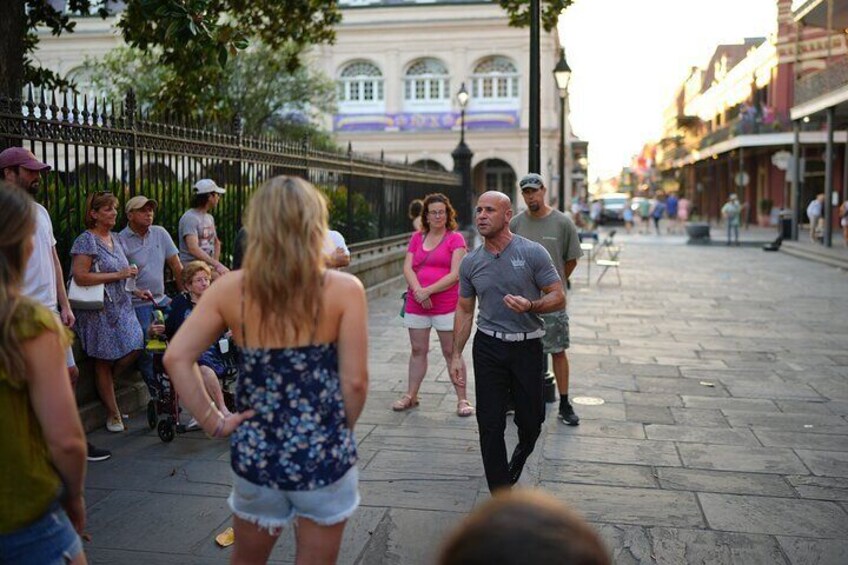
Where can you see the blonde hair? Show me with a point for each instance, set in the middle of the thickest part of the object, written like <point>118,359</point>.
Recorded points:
<point>194,267</point>
<point>17,225</point>
<point>284,262</point>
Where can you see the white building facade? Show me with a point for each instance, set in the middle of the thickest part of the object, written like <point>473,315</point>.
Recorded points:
<point>400,65</point>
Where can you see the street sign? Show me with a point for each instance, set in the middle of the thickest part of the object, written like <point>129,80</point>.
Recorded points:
<point>742,178</point>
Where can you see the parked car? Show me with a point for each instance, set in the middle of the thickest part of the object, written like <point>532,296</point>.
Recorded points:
<point>612,207</point>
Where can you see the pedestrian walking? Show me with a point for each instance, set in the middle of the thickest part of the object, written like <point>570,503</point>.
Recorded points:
<point>111,336</point>
<point>431,269</point>
<point>197,234</point>
<point>627,215</point>
<point>301,330</point>
<point>657,212</point>
<point>42,455</point>
<point>44,280</point>
<point>730,212</point>
<point>815,211</point>
<point>515,281</point>
<point>151,249</point>
<point>671,211</point>
<point>558,235</point>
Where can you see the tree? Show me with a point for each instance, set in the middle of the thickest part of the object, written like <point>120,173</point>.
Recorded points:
<point>519,12</point>
<point>255,85</point>
<point>190,37</point>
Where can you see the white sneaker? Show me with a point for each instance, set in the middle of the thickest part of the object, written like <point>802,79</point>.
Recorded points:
<point>192,425</point>
<point>115,424</point>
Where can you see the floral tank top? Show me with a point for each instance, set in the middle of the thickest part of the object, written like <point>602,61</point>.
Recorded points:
<point>299,439</point>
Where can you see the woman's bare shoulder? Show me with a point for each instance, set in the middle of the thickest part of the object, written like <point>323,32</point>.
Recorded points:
<point>339,281</point>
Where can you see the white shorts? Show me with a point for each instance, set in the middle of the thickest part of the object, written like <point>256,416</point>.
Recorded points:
<point>442,322</point>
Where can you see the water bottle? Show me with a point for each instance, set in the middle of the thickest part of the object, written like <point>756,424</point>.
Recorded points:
<point>130,285</point>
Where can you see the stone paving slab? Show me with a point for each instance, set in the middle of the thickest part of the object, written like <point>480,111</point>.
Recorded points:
<point>822,488</point>
<point>825,463</point>
<point>675,545</point>
<point>636,506</point>
<point>803,551</point>
<point>741,458</point>
<point>598,474</point>
<point>703,435</point>
<point>610,450</point>
<point>728,482</point>
<point>778,516</point>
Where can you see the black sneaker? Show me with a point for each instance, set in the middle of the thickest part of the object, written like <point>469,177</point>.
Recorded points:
<point>95,454</point>
<point>567,415</point>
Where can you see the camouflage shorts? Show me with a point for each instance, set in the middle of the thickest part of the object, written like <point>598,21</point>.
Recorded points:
<point>556,337</point>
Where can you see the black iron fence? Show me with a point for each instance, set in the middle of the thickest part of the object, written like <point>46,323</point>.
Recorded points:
<point>94,145</point>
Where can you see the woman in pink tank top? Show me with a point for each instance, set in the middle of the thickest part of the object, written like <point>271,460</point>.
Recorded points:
<point>431,269</point>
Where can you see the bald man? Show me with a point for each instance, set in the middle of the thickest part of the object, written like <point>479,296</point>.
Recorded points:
<point>515,280</point>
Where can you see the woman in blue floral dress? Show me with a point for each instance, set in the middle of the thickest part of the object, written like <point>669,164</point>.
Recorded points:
<point>302,333</point>
<point>111,336</point>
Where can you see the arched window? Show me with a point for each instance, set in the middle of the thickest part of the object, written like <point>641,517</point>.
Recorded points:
<point>495,79</point>
<point>427,82</point>
<point>361,84</point>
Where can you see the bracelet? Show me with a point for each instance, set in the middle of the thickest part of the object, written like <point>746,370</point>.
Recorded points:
<point>529,308</point>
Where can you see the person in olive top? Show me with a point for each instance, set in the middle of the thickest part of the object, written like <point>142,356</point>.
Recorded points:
<point>557,234</point>
<point>42,454</point>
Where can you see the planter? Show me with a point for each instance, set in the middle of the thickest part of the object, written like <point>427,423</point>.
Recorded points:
<point>698,232</point>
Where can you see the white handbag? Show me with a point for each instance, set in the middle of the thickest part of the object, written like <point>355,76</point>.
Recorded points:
<point>86,297</point>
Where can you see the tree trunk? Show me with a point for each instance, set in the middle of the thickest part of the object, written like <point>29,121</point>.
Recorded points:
<point>12,34</point>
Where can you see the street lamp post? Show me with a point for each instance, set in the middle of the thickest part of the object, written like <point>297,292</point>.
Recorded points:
<point>562,75</point>
<point>462,159</point>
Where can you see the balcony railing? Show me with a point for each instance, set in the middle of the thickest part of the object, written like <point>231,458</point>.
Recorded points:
<point>829,79</point>
<point>746,125</point>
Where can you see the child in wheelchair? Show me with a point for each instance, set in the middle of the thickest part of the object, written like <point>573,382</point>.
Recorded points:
<point>217,364</point>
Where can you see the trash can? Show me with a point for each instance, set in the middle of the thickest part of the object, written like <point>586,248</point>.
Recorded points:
<point>785,225</point>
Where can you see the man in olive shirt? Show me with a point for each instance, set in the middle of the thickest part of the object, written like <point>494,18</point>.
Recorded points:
<point>557,234</point>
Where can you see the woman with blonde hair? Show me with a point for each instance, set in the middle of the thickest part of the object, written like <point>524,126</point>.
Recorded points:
<point>42,455</point>
<point>301,329</point>
<point>111,336</point>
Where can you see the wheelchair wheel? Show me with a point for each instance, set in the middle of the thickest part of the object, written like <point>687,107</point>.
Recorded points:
<point>152,416</point>
<point>166,431</point>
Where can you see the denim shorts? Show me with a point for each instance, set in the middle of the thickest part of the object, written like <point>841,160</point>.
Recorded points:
<point>50,540</point>
<point>271,509</point>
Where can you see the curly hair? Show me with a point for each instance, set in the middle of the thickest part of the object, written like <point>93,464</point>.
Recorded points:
<point>450,222</point>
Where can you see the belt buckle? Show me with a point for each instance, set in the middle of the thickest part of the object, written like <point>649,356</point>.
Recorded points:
<point>514,337</point>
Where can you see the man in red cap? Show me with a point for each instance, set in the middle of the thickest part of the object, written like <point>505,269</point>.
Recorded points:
<point>44,280</point>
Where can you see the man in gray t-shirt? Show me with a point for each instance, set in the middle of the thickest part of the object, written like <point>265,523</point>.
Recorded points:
<point>557,234</point>
<point>515,281</point>
<point>198,238</point>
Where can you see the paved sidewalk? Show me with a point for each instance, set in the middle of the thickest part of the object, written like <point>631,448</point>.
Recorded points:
<point>723,436</point>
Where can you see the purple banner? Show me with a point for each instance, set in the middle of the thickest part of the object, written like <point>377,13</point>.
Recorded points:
<point>426,121</point>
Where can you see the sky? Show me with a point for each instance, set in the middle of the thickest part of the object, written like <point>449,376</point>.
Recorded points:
<point>628,57</point>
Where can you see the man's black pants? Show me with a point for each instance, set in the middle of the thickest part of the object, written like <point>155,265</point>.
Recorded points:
<point>501,369</point>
